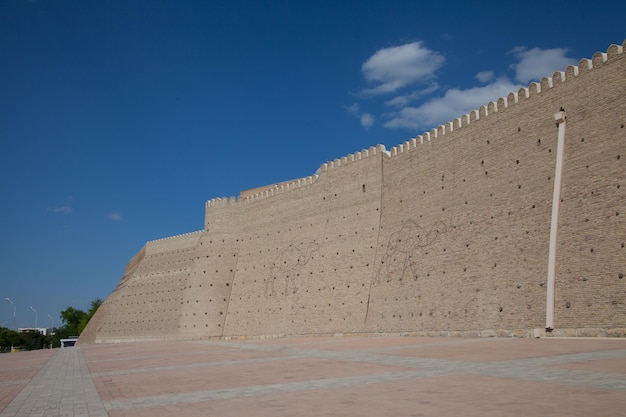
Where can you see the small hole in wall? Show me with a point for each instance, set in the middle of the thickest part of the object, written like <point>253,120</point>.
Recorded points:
<point>519,129</point>
<point>568,304</point>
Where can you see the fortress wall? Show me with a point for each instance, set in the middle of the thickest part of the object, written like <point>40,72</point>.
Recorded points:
<point>307,269</point>
<point>184,241</point>
<point>206,294</point>
<point>144,305</point>
<point>591,259</point>
<point>147,303</point>
<point>92,332</point>
<point>489,186</point>
<point>447,232</point>
<point>135,260</point>
<point>467,248</point>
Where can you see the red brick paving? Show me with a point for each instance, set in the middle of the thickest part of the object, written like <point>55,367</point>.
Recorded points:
<point>19,366</point>
<point>347,376</point>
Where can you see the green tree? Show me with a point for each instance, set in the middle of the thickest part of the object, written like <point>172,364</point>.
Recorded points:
<point>71,318</point>
<point>93,307</point>
<point>8,338</point>
<point>29,340</point>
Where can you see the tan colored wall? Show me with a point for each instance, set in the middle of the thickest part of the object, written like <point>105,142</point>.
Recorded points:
<point>467,248</point>
<point>591,260</point>
<point>307,254</point>
<point>448,232</point>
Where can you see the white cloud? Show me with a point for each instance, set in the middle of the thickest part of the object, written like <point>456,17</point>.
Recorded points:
<point>536,63</point>
<point>60,209</point>
<point>447,37</point>
<point>485,76</point>
<point>400,66</point>
<point>413,68</point>
<point>115,216</point>
<point>353,109</point>
<point>403,100</point>
<point>366,119</point>
<point>453,104</point>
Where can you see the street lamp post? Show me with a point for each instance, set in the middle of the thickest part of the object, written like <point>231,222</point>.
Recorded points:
<point>9,300</point>
<point>35,317</point>
<point>51,322</point>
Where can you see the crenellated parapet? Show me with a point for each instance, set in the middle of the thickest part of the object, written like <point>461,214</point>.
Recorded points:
<point>585,66</point>
<point>280,188</point>
<point>182,241</point>
<point>134,261</point>
<point>599,59</point>
<point>354,157</point>
<point>220,202</point>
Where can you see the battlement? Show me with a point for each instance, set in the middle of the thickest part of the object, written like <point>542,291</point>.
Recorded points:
<point>275,189</point>
<point>220,201</point>
<point>136,259</point>
<point>354,157</point>
<point>525,93</point>
<point>182,241</point>
<point>584,66</point>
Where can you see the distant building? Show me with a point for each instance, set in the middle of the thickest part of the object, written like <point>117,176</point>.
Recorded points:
<point>41,330</point>
<point>69,342</point>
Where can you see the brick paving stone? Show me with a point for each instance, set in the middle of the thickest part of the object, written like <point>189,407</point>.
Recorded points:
<point>348,376</point>
<point>17,369</point>
<point>62,387</point>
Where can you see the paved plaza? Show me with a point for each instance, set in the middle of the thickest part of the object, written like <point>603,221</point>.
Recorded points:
<point>333,376</point>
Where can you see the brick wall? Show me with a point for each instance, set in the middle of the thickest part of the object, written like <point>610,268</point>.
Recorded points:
<point>447,233</point>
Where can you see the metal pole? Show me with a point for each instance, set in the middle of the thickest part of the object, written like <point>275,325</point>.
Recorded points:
<point>35,316</point>
<point>14,309</point>
<point>556,201</point>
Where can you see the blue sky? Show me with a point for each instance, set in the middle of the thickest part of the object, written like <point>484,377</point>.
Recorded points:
<point>119,119</point>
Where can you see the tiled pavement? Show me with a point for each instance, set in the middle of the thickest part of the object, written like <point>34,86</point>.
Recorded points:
<point>344,376</point>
